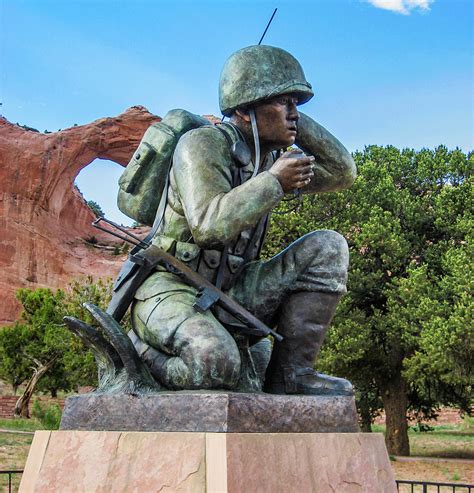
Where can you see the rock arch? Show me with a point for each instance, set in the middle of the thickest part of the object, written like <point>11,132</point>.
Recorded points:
<point>44,220</point>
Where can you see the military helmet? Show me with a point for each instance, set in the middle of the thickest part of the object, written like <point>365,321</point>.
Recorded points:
<point>260,72</point>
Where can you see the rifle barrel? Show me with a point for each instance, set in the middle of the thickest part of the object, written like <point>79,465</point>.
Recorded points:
<point>135,239</point>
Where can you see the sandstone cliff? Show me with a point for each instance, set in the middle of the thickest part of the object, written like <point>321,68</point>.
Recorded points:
<point>44,221</point>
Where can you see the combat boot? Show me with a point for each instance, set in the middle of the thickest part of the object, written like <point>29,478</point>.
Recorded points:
<point>303,322</point>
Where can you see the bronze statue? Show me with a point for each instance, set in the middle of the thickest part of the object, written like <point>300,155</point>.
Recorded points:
<point>224,181</point>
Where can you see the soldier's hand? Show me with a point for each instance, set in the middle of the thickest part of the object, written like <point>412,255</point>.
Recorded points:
<point>293,170</point>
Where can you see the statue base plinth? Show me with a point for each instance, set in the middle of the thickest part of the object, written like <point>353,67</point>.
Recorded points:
<point>204,411</point>
<point>95,461</point>
<point>208,442</point>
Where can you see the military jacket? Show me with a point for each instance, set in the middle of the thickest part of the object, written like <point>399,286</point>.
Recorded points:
<point>206,213</point>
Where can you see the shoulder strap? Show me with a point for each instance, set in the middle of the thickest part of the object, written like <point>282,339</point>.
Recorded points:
<point>236,181</point>
<point>241,156</point>
<point>239,150</point>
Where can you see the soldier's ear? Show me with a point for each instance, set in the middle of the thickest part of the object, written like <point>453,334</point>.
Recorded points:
<point>243,113</point>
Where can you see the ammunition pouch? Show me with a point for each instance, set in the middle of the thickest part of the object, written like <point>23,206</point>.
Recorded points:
<point>207,262</point>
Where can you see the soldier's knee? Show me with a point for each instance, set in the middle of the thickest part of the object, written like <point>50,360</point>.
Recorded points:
<point>217,368</point>
<point>211,355</point>
<point>329,244</point>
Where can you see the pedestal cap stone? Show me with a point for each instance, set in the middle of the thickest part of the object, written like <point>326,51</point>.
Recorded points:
<point>217,412</point>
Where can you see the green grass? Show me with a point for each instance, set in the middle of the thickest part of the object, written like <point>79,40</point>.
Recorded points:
<point>445,441</point>
<point>13,440</point>
<point>20,424</point>
<point>14,446</point>
<point>14,450</point>
<point>468,424</point>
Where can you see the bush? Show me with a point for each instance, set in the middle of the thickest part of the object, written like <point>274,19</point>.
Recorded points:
<point>48,415</point>
<point>467,424</point>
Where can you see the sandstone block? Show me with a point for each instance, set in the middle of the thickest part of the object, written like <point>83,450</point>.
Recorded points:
<point>91,461</point>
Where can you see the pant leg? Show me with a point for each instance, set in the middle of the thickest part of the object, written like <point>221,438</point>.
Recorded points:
<point>316,262</point>
<point>197,351</point>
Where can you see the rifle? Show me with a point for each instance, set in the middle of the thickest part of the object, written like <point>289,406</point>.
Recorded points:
<point>145,261</point>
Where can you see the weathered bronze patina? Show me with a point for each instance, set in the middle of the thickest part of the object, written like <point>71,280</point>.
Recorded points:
<point>223,183</point>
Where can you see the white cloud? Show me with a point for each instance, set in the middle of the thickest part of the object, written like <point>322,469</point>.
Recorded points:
<point>402,6</point>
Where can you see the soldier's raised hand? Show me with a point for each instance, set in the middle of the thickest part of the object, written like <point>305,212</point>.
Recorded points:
<point>293,169</point>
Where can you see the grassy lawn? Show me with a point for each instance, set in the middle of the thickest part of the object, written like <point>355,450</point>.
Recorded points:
<point>14,446</point>
<point>446,441</point>
<point>19,424</point>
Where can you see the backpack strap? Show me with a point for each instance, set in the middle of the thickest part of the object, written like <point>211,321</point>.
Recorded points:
<point>160,212</point>
<point>129,267</point>
<point>239,150</point>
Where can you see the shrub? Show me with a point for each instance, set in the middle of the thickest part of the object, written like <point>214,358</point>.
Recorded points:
<point>48,415</point>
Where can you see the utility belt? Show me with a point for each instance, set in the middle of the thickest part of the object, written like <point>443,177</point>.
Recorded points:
<point>207,263</point>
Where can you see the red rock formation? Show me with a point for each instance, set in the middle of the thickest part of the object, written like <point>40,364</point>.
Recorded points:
<point>44,221</point>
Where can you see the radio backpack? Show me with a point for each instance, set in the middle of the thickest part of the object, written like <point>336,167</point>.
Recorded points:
<point>142,183</point>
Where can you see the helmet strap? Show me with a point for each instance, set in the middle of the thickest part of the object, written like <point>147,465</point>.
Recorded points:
<point>256,141</point>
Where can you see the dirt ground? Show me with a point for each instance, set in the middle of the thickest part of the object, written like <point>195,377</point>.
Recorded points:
<point>446,415</point>
<point>444,471</point>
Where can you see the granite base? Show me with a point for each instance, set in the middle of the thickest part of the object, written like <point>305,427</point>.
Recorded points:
<point>218,412</point>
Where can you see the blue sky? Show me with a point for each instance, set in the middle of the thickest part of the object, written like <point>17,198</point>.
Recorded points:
<point>384,71</point>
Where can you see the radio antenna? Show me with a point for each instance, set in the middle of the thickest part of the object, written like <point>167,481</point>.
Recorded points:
<point>268,25</point>
<point>261,39</point>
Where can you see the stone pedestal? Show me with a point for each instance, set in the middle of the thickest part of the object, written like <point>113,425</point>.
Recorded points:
<point>98,461</point>
<point>208,442</point>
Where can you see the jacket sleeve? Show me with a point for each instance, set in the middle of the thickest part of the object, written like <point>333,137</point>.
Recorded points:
<point>216,212</point>
<point>334,167</point>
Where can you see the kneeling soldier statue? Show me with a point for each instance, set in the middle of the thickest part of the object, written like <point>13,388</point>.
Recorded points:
<point>223,182</point>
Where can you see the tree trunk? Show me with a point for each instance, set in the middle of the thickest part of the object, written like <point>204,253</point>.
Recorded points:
<point>365,420</point>
<point>395,401</point>
<point>22,404</point>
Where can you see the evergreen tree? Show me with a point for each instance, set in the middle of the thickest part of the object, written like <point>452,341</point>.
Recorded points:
<point>403,333</point>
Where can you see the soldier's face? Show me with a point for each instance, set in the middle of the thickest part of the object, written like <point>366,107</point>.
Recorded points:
<point>277,121</point>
